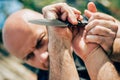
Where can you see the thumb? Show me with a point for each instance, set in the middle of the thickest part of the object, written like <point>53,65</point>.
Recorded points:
<point>91,7</point>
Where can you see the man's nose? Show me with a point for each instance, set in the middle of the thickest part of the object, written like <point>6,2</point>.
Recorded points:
<point>41,56</point>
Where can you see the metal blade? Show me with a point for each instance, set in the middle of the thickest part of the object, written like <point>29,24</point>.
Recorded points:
<point>58,23</point>
<point>49,22</point>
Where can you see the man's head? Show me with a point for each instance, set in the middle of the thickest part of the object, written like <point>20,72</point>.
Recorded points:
<point>25,40</point>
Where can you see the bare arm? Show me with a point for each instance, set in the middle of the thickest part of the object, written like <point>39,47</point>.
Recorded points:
<point>62,65</point>
<point>111,24</point>
<point>110,42</point>
<point>97,63</point>
<point>100,67</point>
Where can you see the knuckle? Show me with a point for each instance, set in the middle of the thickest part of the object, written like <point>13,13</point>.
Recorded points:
<point>101,40</point>
<point>45,8</point>
<point>113,34</point>
<point>98,40</point>
<point>115,27</point>
<point>96,15</point>
<point>95,22</point>
<point>91,25</point>
<point>98,30</point>
<point>90,32</point>
<point>63,4</point>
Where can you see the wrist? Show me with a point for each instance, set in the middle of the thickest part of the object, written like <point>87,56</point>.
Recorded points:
<point>96,56</point>
<point>95,61</point>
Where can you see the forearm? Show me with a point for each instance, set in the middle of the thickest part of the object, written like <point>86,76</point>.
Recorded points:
<point>62,66</point>
<point>100,67</point>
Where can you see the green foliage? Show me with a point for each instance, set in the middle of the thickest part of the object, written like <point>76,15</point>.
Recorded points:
<point>115,3</point>
<point>37,4</point>
<point>115,8</point>
<point>79,4</point>
<point>111,7</point>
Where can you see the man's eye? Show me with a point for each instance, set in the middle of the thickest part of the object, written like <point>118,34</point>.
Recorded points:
<point>39,44</point>
<point>30,56</point>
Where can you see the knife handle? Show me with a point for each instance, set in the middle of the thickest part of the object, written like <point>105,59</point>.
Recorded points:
<point>81,23</point>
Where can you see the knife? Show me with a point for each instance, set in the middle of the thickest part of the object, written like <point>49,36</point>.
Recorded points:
<point>58,22</point>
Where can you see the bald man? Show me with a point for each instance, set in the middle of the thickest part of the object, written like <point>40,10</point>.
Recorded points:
<point>21,40</point>
<point>30,41</point>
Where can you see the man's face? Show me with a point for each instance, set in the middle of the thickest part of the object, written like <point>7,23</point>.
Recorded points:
<point>29,43</point>
<point>34,49</point>
<point>25,40</point>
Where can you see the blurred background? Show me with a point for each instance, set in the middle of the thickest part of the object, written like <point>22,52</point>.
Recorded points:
<point>13,69</point>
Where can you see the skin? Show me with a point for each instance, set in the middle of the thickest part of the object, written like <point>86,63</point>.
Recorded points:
<point>40,58</point>
<point>29,34</point>
<point>30,41</point>
<point>26,41</point>
<point>59,47</point>
<point>97,55</point>
<point>109,23</point>
<point>91,53</point>
<point>96,32</point>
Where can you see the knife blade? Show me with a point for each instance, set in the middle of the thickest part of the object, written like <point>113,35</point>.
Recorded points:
<point>48,22</point>
<point>57,22</point>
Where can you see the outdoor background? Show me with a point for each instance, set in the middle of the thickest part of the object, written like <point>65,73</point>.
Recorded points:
<point>14,69</point>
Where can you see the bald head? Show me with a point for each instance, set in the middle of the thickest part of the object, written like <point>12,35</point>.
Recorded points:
<point>15,27</point>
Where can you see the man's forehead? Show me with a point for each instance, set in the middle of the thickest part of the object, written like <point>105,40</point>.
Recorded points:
<point>17,30</point>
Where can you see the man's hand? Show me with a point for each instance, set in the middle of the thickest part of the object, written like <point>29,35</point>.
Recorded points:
<point>62,66</point>
<point>64,12</point>
<point>82,48</point>
<point>102,29</point>
<point>97,63</point>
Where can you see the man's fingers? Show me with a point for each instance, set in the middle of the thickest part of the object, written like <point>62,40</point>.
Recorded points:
<point>104,42</point>
<point>94,39</point>
<point>72,18</point>
<point>75,10</point>
<point>101,31</point>
<point>63,11</point>
<point>91,7</point>
<point>67,12</point>
<point>102,23</point>
<point>64,16</point>
<point>49,13</point>
<point>88,13</point>
<point>102,16</point>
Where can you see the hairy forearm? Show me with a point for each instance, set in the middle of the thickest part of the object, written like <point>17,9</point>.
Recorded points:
<point>100,67</point>
<point>62,66</point>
